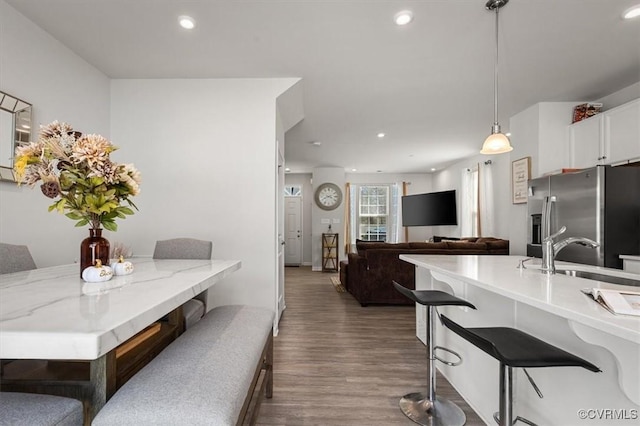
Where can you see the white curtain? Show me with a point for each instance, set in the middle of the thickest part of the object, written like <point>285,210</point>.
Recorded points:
<point>486,204</point>
<point>353,216</point>
<point>393,225</point>
<point>467,204</point>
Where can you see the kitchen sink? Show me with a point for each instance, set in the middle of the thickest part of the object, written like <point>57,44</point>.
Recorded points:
<point>613,279</point>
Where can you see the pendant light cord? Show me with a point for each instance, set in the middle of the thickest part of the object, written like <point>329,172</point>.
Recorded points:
<point>495,77</point>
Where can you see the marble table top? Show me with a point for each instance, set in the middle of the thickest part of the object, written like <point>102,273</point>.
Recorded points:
<point>558,294</point>
<point>50,313</point>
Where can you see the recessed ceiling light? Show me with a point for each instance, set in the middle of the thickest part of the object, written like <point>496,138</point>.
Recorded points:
<point>354,170</point>
<point>316,143</point>
<point>403,18</point>
<point>287,169</point>
<point>381,135</point>
<point>632,12</point>
<point>433,169</point>
<point>186,22</point>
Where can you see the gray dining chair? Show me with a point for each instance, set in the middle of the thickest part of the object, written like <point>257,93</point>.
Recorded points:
<point>15,258</point>
<point>187,248</point>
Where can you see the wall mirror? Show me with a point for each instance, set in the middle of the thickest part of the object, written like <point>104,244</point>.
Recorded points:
<point>15,130</point>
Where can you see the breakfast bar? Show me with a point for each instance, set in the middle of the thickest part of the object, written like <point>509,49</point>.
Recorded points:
<point>552,308</point>
<point>51,314</point>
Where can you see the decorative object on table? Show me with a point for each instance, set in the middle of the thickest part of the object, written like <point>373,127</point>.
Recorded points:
<point>77,173</point>
<point>97,273</point>
<point>122,267</point>
<point>582,111</point>
<point>120,249</point>
<point>520,175</point>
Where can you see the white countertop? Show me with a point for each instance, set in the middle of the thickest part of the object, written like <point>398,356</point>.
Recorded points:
<point>629,257</point>
<point>50,313</point>
<point>557,294</point>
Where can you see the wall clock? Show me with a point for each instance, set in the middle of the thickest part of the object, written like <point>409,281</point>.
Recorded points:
<point>328,196</point>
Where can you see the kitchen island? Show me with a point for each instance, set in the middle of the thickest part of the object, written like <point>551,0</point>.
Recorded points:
<point>552,308</point>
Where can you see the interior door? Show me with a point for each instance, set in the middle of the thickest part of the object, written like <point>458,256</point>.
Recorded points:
<point>280,241</point>
<point>293,230</point>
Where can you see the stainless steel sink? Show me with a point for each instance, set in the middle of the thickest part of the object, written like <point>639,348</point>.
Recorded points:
<point>613,279</point>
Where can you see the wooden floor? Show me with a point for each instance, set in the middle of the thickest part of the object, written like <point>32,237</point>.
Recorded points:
<point>337,363</point>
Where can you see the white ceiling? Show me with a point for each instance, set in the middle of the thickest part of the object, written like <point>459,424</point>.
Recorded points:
<point>428,86</point>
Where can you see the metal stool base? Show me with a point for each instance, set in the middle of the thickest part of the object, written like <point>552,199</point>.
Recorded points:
<point>418,408</point>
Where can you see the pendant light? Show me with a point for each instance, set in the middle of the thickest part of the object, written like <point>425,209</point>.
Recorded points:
<point>497,142</point>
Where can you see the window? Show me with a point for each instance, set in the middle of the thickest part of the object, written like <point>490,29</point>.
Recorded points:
<point>293,190</point>
<point>373,212</point>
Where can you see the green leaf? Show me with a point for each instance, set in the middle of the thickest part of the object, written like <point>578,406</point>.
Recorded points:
<point>125,210</point>
<point>74,216</point>
<point>83,222</point>
<point>110,226</point>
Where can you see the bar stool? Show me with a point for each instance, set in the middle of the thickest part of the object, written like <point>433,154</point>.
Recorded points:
<point>515,348</point>
<point>430,409</point>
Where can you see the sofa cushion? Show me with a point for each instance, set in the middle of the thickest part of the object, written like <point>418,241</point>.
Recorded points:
<point>437,239</point>
<point>424,246</point>
<point>495,244</point>
<point>465,245</point>
<point>363,246</point>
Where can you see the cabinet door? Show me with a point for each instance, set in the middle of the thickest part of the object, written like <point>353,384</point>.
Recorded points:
<point>586,144</point>
<point>622,132</point>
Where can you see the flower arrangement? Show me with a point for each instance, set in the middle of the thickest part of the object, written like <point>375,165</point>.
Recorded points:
<point>76,171</point>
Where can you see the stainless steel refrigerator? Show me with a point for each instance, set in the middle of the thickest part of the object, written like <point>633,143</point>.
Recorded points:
<point>601,203</point>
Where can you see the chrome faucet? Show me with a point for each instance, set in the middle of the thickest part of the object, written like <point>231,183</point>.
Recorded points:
<point>550,249</point>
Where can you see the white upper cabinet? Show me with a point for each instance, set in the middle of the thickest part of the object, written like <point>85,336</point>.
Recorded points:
<point>608,138</point>
<point>622,132</point>
<point>586,142</point>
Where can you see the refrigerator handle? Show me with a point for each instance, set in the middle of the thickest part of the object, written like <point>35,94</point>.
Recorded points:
<point>546,216</point>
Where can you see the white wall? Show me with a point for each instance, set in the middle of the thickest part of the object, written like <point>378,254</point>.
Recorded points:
<point>61,86</point>
<point>206,151</point>
<point>451,178</point>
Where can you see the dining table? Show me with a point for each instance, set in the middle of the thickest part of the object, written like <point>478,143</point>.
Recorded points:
<point>52,314</point>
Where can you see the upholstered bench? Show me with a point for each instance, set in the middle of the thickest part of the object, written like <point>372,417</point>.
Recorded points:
<point>22,409</point>
<point>207,376</point>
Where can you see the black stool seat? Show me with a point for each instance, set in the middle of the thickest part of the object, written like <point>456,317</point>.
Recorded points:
<point>432,297</point>
<point>516,348</point>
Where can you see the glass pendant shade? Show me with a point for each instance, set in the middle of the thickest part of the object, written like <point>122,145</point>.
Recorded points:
<point>497,142</point>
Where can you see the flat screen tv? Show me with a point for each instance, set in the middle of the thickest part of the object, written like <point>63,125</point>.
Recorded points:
<point>430,209</point>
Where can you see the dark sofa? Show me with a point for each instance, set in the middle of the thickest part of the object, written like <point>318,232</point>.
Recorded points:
<point>370,271</point>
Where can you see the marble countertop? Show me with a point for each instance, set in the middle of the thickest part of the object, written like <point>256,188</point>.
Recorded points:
<point>557,294</point>
<point>50,313</point>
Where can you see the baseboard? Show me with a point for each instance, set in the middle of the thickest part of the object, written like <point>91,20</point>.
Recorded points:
<point>307,263</point>
<point>316,268</point>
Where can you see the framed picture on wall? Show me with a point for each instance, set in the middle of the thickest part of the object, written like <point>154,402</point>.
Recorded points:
<point>520,174</point>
